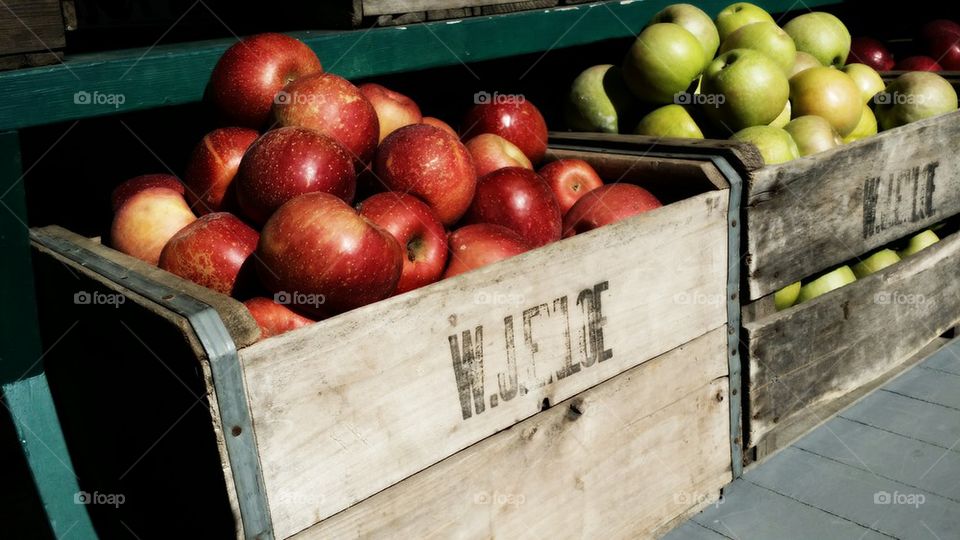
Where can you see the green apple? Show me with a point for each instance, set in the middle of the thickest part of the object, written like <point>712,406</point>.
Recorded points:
<point>875,263</point>
<point>866,127</point>
<point>767,38</point>
<point>822,35</point>
<point>786,296</point>
<point>697,22</point>
<point>669,121</point>
<point>914,96</point>
<point>784,117</point>
<point>775,144</point>
<point>803,61</point>
<point>739,14</point>
<point>663,61</point>
<point>812,134</point>
<point>918,242</point>
<point>599,101</point>
<point>866,78</point>
<point>829,93</point>
<point>748,88</point>
<point>826,283</point>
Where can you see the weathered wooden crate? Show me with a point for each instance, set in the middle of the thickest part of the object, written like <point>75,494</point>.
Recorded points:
<point>584,386</point>
<point>31,33</point>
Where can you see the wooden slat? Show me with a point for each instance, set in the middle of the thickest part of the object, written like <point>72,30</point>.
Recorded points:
<point>933,424</point>
<point>392,7</point>
<point>811,213</point>
<point>616,461</point>
<point>359,402</point>
<point>30,26</point>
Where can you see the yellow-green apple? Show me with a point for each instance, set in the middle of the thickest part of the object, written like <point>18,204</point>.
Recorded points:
<point>515,119</point>
<point>737,15</point>
<point>866,78</point>
<point>438,123</point>
<point>801,62</point>
<point>767,38</point>
<point>325,257</point>
<point>669,121</point>
<point>749,89</point>
<point>480,244</point>
<point>146,220</point>
<point>213,167</point>
<point>212,251</point>
<point>783,119</point>
<point>941,38</point>
<point>828,93</point>
<point>918,63</point>
<point>866,127</point>
<point>828,282</point>
<point>274,318</point>
<point>491,152</point>
<point>812,134</point>
<point>607,204</point>
<point>821,34</point>
<point>876,262</point>
<point>250,73</point>
<point>662,62</point>
<point>431,164</point>
<point>775,144</point>
<point>520,200</point>
<point>287,162</point>
<point>570,179</point>
<point>786,296</point>
<point>334,107</point>
<point>599,101</point>
<point>134,185</point>
<point>418,231</point>
<point>696,22</point>
<point>394,110</point>
<point>914,96</point>
<point>866,50</point>
<point>919,242</point>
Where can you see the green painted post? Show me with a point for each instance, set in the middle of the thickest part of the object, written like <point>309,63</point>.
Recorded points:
<point>24,386</point>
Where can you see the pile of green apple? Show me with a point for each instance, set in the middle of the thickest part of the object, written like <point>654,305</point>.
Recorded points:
<point>787,90</point>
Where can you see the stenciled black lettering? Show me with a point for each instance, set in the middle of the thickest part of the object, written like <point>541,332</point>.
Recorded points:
<point>468,370</point>
<point>597,321</point>
<point>870,194</point>
<point>569,366</point>
<point>508,381</point>
<point>585,301</point>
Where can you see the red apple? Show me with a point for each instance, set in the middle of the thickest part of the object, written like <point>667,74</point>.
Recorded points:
<point>516,120</point>
<point>274,318</point>
<point>481,244</point>
<point>605,205</point>
<point>251,72</point>
<point>137,184</point>
<point>326,258</point>
<point>394,110</point>
<point>418,230</point>
<point>333,106</point>
<point>211,251</point>
<point>869,51</point>
<point>436,122</point>
<point>290,161</point>
<point>430,163</point>
<point>570,179</point>
<point>147,219</point>
<point>520,200</point>
<point>918,63</point>
<point>491,152</point>
<point>214,165</point>
<point>941,38</point>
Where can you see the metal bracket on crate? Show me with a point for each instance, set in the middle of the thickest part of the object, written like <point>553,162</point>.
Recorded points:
<point>624,145</point>
<point>224,366</point>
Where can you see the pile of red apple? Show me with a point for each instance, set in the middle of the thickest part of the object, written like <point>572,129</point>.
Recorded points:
<point>275,191</point>
<point>937,48</point>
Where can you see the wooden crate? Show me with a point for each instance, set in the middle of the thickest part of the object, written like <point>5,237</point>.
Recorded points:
<point>584,386</point>
<point>31,33</point>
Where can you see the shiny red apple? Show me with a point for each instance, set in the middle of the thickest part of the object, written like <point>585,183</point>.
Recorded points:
<point>418,230</point>
<point>251,72</point>
<point>430,163</point>
<point>147,219</point>
<point>394,110</point>
<point>436,122</point>
<point>941,39</point>
<point>491,152</point>
<point>290,161</point>
<point>333,106</point>
<point>211,251</point>
<point>520,200</point>
<point>515,119</point>
<point>274,318</point>
<point>213,166</point>
<point>325,258</point>
<point>480,244</point>
<point>869,51</point>
<point>607,204</point>
<point>139,183</point>
<point>570,180</point>
<point>918,63</point>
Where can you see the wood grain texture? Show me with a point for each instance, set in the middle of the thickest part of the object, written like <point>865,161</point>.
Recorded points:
<point>616,461</point>
<point>821,350</point>
<point>30,26</point>
<point>356,403</point>
<point>814,212</point>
